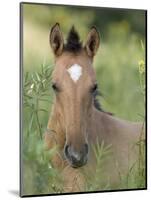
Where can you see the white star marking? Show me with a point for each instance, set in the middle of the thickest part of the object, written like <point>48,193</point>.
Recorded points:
<point>75,72</point>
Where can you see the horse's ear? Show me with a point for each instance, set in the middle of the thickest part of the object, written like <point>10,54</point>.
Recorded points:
<point>92,42</point>
<point>56,40</point>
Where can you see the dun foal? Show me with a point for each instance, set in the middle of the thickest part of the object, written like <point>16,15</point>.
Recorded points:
<point>77,122</point>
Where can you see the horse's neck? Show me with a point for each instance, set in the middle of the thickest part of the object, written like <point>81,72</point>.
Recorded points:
<point>121,136</point>
<point>111,129</point>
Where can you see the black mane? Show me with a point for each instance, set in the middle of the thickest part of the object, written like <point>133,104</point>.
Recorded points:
<point>73,43</point>
<point>97,104</point>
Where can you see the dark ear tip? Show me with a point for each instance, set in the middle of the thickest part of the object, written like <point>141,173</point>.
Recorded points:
<point>57,25</point>
<point>95,28</point>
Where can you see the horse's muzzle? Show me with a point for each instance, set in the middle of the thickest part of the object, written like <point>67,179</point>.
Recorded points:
<point>76,158</point>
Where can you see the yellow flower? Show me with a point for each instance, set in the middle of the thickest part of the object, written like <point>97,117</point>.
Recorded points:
<point>141,64</point>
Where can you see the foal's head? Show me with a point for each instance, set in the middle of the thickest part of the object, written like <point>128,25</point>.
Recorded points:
<point>74,83</point>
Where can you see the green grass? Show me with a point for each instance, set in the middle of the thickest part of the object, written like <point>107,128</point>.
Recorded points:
<point>134,178</point>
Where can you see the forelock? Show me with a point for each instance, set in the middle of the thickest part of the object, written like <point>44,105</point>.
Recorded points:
<point>73,43</point>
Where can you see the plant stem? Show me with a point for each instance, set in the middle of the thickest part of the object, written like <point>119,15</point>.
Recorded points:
<point>37,118</point>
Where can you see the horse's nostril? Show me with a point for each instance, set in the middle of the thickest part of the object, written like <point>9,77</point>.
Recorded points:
<point>71,154</point>
<point>78,157</point>
<point>86,148</point>
<point>66,150</point>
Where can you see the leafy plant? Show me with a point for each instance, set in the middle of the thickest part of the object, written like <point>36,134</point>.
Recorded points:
<point>36,90</point>
<point>102,153</point>
<point>39,177</point>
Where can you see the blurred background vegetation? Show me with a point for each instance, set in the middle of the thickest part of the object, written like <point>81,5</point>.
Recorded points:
<point>117,64</point>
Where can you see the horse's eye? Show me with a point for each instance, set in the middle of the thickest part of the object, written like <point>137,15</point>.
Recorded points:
<point>94,88</point>
<point>55,87</point>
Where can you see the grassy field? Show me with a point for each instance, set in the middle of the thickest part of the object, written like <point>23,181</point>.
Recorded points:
<point>120,69</point>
